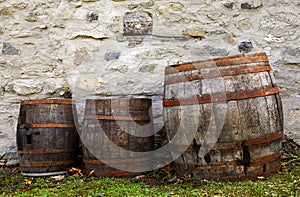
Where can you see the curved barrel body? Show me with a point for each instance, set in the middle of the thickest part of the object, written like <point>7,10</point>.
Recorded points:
<point>112,129</point>
<point>234,113</point>
<point>47,139</point>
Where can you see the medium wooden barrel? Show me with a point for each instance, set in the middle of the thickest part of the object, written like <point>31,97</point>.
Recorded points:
<point>123,122</point>
<point>47,139</point>
<point>247,144</point>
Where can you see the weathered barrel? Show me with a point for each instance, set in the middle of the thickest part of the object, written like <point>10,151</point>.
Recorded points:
<point>47,139</point>
<point>124,122</point>
<point>246,143</point>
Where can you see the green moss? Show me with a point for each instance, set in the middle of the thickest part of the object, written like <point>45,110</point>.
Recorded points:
<point>284,183</point>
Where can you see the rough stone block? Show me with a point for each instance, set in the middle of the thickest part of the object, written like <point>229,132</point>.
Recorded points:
<point>173,7</point>
<point>215,51</point>
<point>80,55</point>
<point>291,56</point>
<point>92,16</point>
<point>112,56</point>
<point>5,11</point>
<point>251,5</point>
<point>144,5</point>
<point>26,87</point>
<point>137,23</point>
<point>21,5</point>
<point>243,24</point>
<point>31,18</point>
<point>274,39</point>
<point>68,13</point>
<point>89,82</point>
<point>147,68</point>
<point>228,5</point>
<point>8,49</point>
<point>194,32</point>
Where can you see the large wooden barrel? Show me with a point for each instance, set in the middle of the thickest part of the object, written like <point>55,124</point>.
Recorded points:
<point>123,122</point>
<point>242,90</point>
<point>47,139</point>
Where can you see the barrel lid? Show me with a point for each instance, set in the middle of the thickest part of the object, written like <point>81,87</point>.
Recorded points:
<point>47,101</point>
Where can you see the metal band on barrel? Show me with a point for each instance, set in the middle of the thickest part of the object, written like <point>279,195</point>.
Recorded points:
<point>229,145</point>
<point>275,160</point>
<point>135,118</point>
<point>117,161</point>
<point>219,73</point>
<point>224,61</point>
<point>48,125</point>
<point>218,97</point>
<point>46,164</point>
<point>36,152</point>
<point>117,106</point>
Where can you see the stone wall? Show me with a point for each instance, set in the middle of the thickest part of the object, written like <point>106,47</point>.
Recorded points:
<point>95,48</point>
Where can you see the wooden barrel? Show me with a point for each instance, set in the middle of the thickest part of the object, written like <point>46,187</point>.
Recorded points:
<point>123,122</point>
<point>248,143</point>
<point>47,139</point>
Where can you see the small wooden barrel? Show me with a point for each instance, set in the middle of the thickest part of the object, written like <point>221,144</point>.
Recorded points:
<point>248,143</point>
<point>47,139</point>
<point>123,122</point>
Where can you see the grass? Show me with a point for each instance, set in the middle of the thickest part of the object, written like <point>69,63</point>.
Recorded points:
<point>284,183</point>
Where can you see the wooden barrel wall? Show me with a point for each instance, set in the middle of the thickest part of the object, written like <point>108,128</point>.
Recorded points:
<point>249,144</point>
<point>47,139</point>
<point>114,118</point>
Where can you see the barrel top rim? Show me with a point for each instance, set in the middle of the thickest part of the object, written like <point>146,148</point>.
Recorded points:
<point>223,58</point>
<point>47,101</point>
<point>115,99</point>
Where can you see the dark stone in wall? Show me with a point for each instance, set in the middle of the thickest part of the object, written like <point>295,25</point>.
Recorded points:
<point>8,49</point>
<point>137,23</point>
<point>246,6</point>
<point>291,52</point>
<point>134,41</point>
<point>147,68</point>
<point>112,56</point>
<point>215,51</point>
<point>249,6</point>
<point>92,17</point>
<point>228,5</point>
